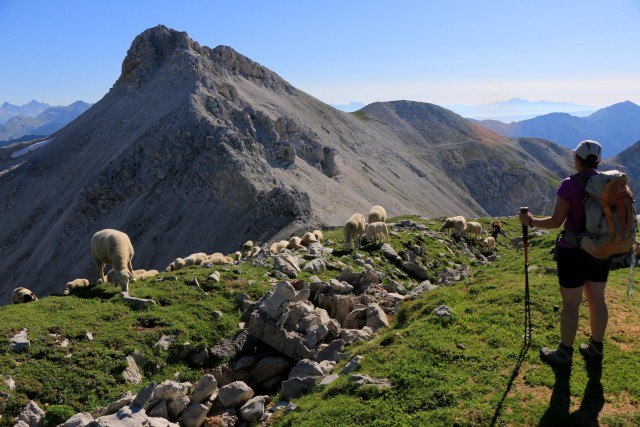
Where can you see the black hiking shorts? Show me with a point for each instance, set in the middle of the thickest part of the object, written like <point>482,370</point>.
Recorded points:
<point>575,267</point>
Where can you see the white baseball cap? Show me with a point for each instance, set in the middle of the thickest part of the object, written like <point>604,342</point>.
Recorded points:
<point>587,147</point>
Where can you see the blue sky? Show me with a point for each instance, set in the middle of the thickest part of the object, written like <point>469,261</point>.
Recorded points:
<point>443,52</point>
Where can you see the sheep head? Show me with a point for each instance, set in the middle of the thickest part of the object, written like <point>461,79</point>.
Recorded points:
<point>122,277</point>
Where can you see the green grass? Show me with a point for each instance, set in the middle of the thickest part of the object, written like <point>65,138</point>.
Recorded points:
<point>360,115</point>
<point>444,372</point>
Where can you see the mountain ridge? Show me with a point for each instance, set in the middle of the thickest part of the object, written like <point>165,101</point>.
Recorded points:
<point>198,149</point>
<point>617,127</point>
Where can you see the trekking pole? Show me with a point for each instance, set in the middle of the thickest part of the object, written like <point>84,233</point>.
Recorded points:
<point>527,301</point>
<point>634,247</point>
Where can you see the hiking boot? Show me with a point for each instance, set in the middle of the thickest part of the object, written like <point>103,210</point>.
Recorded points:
<point>591,352</point>
<point>559,358</point>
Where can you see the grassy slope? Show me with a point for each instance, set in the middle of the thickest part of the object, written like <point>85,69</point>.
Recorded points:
<point>457,371</point>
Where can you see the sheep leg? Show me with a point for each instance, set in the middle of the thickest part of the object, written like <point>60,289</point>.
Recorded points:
<point>100,266</point>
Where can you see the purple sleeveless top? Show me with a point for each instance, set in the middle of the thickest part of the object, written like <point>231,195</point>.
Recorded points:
<point>572,191</point>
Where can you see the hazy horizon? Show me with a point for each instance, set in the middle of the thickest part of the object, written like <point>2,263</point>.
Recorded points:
<point>445,53</point>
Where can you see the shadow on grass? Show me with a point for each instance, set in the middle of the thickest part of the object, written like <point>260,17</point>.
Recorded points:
<point>557,414</point>
<point>97,291</point>
<point>592,399</point>
<point>514,374</point>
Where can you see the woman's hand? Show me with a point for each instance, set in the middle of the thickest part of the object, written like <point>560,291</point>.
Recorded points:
<point>525,218</point>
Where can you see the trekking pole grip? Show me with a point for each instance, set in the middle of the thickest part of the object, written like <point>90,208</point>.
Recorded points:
<point>525,228</point>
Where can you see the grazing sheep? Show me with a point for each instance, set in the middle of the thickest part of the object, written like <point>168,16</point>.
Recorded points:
<point>247,248</point>
<point>456,223</point>
<point>218,258</point>
<point>473,228</point>
<point>177,264</point>
<point>377,230</point>
<point>22,295</point>
<point>448,223</point>
<point>295,243</point>
<point>319,235</point>
<point>195,259</point>
<point>377,214</point>
<point>75,284</point>
<point>308,238</point>
<point>278,246</point>
<point>145,274</point>
<point>113,247</point>
<point>237,256</point>
<point>353,230</point>
<point>489,243</point>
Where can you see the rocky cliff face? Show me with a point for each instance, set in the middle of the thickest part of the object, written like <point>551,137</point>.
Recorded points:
<point>197,150</point>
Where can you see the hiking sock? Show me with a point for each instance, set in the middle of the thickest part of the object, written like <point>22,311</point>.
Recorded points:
<point>567,349</point>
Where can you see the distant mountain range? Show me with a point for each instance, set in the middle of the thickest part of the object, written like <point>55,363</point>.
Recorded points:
<point>32,109</point>
<point>617,127</point>
<point>517,109</point>
<point>35,119</point>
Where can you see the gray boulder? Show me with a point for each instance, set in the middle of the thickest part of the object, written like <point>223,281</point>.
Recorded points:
<point>254,409</point>
<point>205,388</point>
<point>295,387</point>
<point>32,415</point>
<point>235,394</point>
<point>194,414</point>
<point>78,420</point>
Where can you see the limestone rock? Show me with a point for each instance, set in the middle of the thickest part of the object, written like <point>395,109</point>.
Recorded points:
<point>235,394</point>
<point>204,389</point>
<point>253,409</point>
<point>32,415</point>
<point>78,420</point>
<point>132,374</point>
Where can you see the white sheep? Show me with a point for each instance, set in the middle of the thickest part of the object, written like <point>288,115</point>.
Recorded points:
<point>247,248</point>
<point>75,284</point>
<point>353,230</point>
<point>377,230</point>
<point>377,214</point>
<point>22,295</point>
<point>319,235</point>
<point>295,243</point>
<point>195,259</point>
<point>114,248</point>
<point>308,238</point>
<point>145,274</point>
<point>489,243</point>
<point>218,258</point>
<point>456,223</point>
<point>176,264</point>
<point>278,246</point>
<point>473,228</point>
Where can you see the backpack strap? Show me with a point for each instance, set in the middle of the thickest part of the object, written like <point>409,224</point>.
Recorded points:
<point>579,177</point>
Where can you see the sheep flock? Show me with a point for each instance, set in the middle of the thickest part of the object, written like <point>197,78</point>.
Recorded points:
<point>114,248</point>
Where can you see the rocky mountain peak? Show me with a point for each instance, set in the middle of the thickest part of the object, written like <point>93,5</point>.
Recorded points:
<point>151,50</point>
<point>161,48</point>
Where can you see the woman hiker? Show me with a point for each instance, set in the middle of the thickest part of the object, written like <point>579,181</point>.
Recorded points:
<point>578,272</point>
